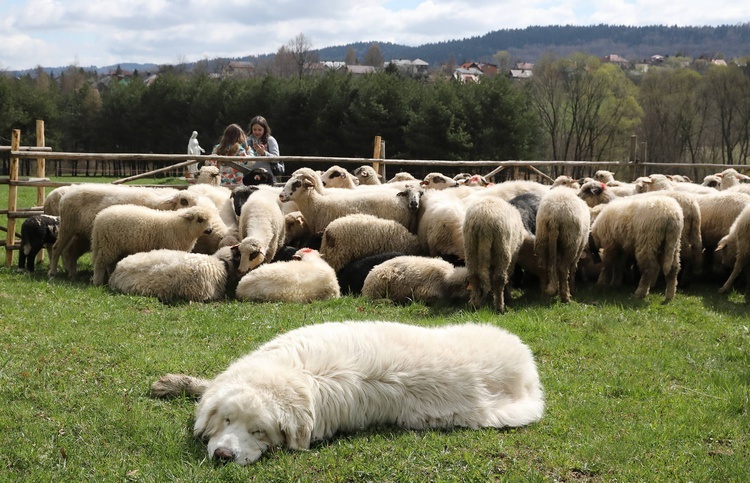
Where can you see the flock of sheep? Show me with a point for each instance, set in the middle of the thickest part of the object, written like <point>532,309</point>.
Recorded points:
<point>437,239</point>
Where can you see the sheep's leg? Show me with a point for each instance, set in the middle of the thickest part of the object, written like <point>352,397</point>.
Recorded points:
<point>739,264</point>
<point>648,265</point>
<point>499,287</point>
<point>100,270</point>
<point>563,275</point>
<point>671,277</point>
<point>57,248</point>
<point>476,291</point>
<point>608,256</point>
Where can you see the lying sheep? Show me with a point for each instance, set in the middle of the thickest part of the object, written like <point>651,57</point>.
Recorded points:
<point>356,236</point>
<point>320,206</point>
<point>736,247</point>
<point>122,230</point>
<point>261,227</point>
<point>338,177</point>
<point>562,231</point>
<point>366,175</point>
<point>83,202</point>
<point>409,279</point>
<point>352,277</point>
<point>648,229</point>
<point>302,280</point>
<point>493,235</point>
<point>177,275</point>
<point>37,232</point>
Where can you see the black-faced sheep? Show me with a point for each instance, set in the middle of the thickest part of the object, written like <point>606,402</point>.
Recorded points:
<point>177,275</point>
<point>83,202</point>
<point>320,206</point>
<point>356,236</point>
<point>37,232</point>
<point>367,175</point>
<point>258,176</point>
<point>301,280</point>
<point>122,230</point>
<point>409,279</point>
<point>493,235</point>
<point>352,277</point>
<point>338,177</point>
<point>648,229</point>
<point>736,248</point>
<point>562,231</point>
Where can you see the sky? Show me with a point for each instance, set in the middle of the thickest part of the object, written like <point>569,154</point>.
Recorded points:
<point>55,33</point>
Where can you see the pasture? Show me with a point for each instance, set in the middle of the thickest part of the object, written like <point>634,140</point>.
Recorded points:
<point>635,390</point>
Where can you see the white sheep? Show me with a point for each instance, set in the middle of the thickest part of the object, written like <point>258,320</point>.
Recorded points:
<point>338,177</point>
<point>493,236</point>
<point>82,203</point>
<point>301,280</point>
<point>736,248</point>
<point>508,190</point>
<point>440,228</point>
<point>718,212</point>
<point>730,177</point>
<point>177,275</point>
<point>320,206</point>
<point>225,227</point>
<point>209,175</point>
<point>52,201</point>
<point>658,182</point>
<point>401,176</point>
<point>562,231</point>
<point>122,230</point>
<point>604,176</point>
<point>261,228</point>
<point>648,229</point>
<point>438,181</point>
<point>356,236</point>
<point>564,180</point>
<point>367,175</point>
<point>408,279</point>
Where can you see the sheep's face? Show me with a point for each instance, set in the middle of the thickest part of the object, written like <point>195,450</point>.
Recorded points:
<point>437,181</point>
<point>413,195</point>
<point>183,199</point>
<point>591,192</point>
<point>239,197</point>
<point>201,218</point>
<point>294,187</point>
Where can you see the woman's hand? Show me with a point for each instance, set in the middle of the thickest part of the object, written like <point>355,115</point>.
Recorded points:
<point>260,149</point>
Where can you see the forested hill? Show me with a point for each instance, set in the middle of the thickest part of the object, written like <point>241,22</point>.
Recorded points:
<point>528,44</point>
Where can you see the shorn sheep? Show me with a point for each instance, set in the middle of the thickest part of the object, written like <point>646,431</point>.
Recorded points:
<point>409,279</point>
<point>493,235</point>
<point>83,202</point>
<point>356,236</point>
<point>304,279</point>
<point>736,245</point>
<point>122,230</point>
<point>320,206</point>
<point>37,232</point>
<point>172,275</point>
<point>648,229</point>
<point>562,231</point>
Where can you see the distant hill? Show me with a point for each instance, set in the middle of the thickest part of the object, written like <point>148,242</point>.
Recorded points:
<point>528,44</point>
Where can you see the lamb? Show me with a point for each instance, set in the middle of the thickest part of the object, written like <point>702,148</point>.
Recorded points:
<point>352,277</point>
<point>173,275</point>
<point>302,280</point>
<point>493,235</point>
<point>320,206</point>
<point>52,201</point>
<point>736,246</point>
<point>82,203</point>
<point>37,232</point>
<point>208,175</point>
<point>356,236</point>
<point>367,175</point>
<point>647,228</point>
<point>408,279</point>
<point>562,231</point>
<point>261,227</point>
<point>122,230</point>
<point>338,177</point>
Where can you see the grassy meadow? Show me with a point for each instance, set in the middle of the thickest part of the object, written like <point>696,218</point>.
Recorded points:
<point>635,390</point>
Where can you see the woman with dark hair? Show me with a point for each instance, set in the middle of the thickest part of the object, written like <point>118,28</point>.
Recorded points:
<point>262,144</point>
<point>232,143</point>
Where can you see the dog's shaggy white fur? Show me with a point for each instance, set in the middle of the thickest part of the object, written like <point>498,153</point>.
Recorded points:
<point>313,382</point>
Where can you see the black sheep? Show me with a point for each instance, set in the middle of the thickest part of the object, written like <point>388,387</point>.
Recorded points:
<point>37,232</point>
<point>352,277</point>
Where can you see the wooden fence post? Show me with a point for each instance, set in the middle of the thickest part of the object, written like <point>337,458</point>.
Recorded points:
<point>41,172</point>
<point>633,159</point>
<point>377,153</point>
<point>10,240</point>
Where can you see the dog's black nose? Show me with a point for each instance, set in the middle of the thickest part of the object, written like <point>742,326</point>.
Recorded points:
<point>224,454</point>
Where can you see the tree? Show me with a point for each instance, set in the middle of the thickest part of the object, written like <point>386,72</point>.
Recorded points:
<point>351,57</point>
<point>502,58</point>
<point>373,56</point>
<point>300,49</point>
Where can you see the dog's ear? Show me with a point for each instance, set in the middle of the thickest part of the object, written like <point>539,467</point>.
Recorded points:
<point>206,421</point>
<point>296,417</point>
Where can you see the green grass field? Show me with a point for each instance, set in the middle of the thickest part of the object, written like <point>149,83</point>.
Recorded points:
<point>635,390</point>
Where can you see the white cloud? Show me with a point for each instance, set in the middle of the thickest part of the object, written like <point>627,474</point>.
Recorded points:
<point>61,32</point>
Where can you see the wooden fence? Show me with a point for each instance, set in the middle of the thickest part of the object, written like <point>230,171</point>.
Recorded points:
<point>40,153</point>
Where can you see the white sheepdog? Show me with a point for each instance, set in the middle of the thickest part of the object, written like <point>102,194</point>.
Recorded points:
<point>310,383</point>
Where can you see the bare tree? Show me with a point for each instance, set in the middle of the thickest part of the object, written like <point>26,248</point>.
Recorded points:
<point>351,57</point>
<point>300,48</point>
<point>373,56</point>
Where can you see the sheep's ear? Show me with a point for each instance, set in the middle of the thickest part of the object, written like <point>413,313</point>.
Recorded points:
<point>307,182</point>
<point>722,244</point>
<point>188,216</point>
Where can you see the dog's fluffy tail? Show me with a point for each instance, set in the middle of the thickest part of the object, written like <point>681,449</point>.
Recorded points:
<point>172,385</point>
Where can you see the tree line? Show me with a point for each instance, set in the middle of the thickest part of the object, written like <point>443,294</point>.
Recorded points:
<point>573,108</point>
